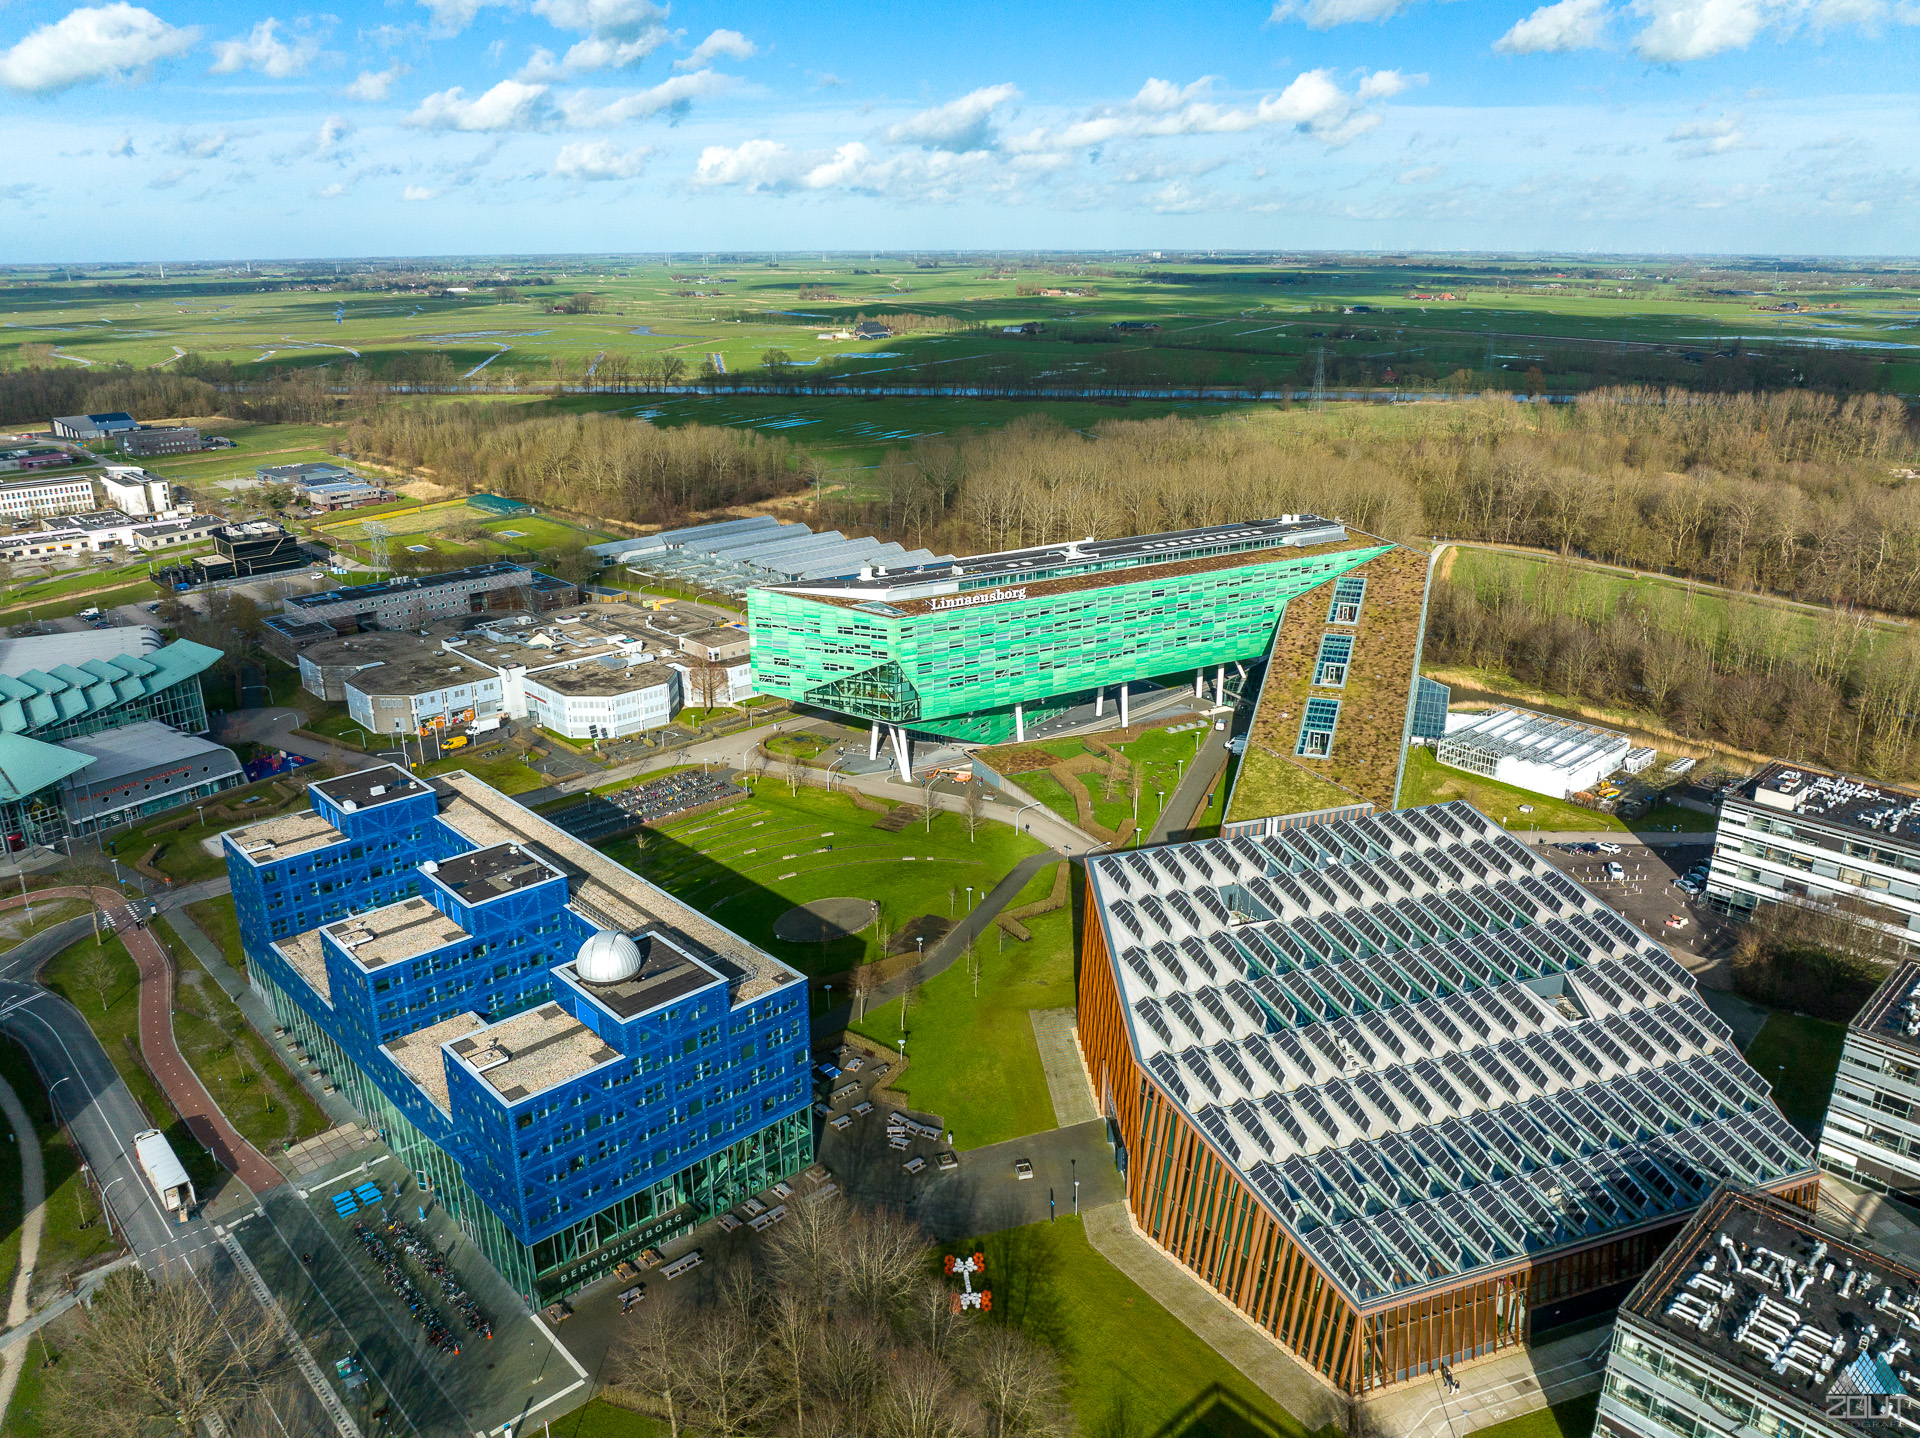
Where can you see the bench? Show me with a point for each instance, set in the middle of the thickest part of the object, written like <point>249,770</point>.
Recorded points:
<point>767,1220</point>
<point>861,1110</point>
<point>899,1140</point>
<point>826,1190</point>
<point>841,1122</point>
<point>728,1223</point>
<point>632,1296</point>
<point>783,1189</point>
<point>686,1263</point>
<point>754,1207</point>
<point>847,1091</point>
<point>914,1164</point>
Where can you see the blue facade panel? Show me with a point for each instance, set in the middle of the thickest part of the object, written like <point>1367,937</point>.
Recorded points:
<point>583,1123</point>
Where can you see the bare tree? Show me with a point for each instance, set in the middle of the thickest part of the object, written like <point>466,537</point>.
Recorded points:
<point>796,769</point>
<point>95,970</point>
<point>653,1358</point>
<point>1019,1386</point>
<point>975,812</point>
<point>165,1356</point>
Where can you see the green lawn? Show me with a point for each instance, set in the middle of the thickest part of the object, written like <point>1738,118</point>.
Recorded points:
<point>118,1028</point>
<point>1572,1419</point>
<point>973,1056</point>
<point>1428,781</point>
<point>74,1237</point>
<point>1131,1367</point>
<point>183,855</point>
<point>748,864</point>
<point>601,1419</point>
<point>61,606</point>
<point>1799,1057</point>
<point>15,925</point>
<point>508,774</point>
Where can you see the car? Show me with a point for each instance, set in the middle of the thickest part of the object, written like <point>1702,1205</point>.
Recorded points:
<point>154,608</point>
<point>1677,921</point>
<point>1606,848</point>
<point>1614,871</point>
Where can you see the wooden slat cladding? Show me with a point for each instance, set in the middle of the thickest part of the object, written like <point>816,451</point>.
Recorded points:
<point>1187,1199</point>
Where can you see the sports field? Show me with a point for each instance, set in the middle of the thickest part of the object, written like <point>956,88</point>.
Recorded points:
<point>748,864</point>
<point>455,527</point>
<point>1406,326</point>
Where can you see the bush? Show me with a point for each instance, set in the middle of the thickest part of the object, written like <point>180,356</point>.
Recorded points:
<point>1809,960</point>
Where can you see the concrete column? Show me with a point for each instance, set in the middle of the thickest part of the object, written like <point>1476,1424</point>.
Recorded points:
<point>1199,683</point>
<point>1100,702</point>
<point>1220,684</point>
<point>873,742</point>
<point>903,752</point>
<point>1123,706</point>
<point>1019,724</point>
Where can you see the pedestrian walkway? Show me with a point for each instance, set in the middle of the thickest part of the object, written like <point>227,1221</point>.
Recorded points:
<point>33,1207</point>
<point>1213,1320</point>
<point>1495,1389</point>
<point>1067,1083</point>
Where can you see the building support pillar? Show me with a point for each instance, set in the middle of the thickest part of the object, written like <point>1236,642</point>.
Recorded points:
<point>1199,683</point>
<point>873,742</point>
<point>1100,702</point>
<point>903,751</point>
<point>1220,684</point>
<point>1123,706</point>
<point>1019,724</point>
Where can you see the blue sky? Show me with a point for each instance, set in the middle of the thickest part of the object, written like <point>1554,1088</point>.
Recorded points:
<point>189,129</point>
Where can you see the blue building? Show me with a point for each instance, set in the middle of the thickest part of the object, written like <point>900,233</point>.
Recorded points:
<point>577,1064</point>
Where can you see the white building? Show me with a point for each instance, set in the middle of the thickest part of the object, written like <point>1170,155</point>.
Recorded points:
<point>133,491</point>
<point>1871,1135</point>
<point>1537,752</point>
<point>1796,835</point>
<point>438,691</point>
<point>26,498</point>
<point>604,698</point>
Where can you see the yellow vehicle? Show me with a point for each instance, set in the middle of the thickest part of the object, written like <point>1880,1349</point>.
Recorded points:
<point>458,741</point>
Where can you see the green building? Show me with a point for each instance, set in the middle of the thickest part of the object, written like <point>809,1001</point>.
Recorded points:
<point>979,649</point>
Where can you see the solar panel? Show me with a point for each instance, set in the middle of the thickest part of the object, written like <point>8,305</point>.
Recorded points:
<point>1183,906</point>
<point>1281,1112</point>
<point>1497,1072</point>
<point>1135,958</point>
<point>1375,1093</point>
<point>1741,1075</point>
<point>1114,871</point>
<point>1361,994</point>
<point>1354,1040</point>
<point>1718,1152</point>
<point>1466,1219</point>
<point>1307,1103</point>
<point>1665,1190</point>
<point>1596,939</point>
<point>1220,1131</point>
<point>1236,956</point>
<point>1785,1134</point>
<point>1383,1036</point>
<point>1398,826</point>
<point>1357,881</point>
<point>1313,1191</point>
<point>1591,980</point>
<point>1692,1011</point>
<point>1248,1117</point>
<point>1150,1015</point>
<point>1407,1018</point>
<point>1464,1074</point>
<point>1197,1065</point>
<point>1250,854</point>
<point>1545,1114</point>
<point>1222,857</point>
<point>1449,823</point>
<point>1421,822</point>
<point>1334,1256</point>
<point>1620,1179</point>
<point>1630,1037</point>
<point>1141,865</point>
<point>1228,1058</point>
<point>1592,1193</point>
<point>1617,927</point>
<point>1375,1171</point>
<point>1389,976</point>
<point>1441,1241</point>
<point>1434,1014</point>
<point>1305,995</point>
<point>1468,1017</point>
<point>1556,1059</point>
<point>1516,852</point>
<point>1210,901</point>
<point>1520,902</point>
<point>1418,867</point>
<point>1403,935</point>
<point>1693,1180</point>
<point>1483,963</point>
<point>1284,885</point>
<point>1247,1002</point>
<point>1621,1120</point>
<point>1286,1011</point>
<point>1515,1053</point>
<point>1168,1072</point>
<point>1559,947</point>
<point>1546,901</point>
<point>1198,954</point>
<point>1215,1003</point>
<point>1496,1005</point>
<point>1717,1081</point>
<point>1346,938</point>
<point>1272,941</point>
<point>1123,911</point>
<point>1294,1052</point>
<point>1401,1081</point>
<point>1649,1115</point>
<point>1319,887</point>
<point>1429,1073</point>
<point>1438,1157</point>
<point>1363,925</point>
<point>1362,1238</point>
<point>1653,1023</point>
<point>1545,1221</point>
<point>1301,848</point>
<point>1168,958</point>
<point>1564,887</point>
<point>1397,875</point>
<point>1703,1096</point>
<point>1631,986</point>
<point>1312,940</point>
<point>1256,1048</point>
<point>1154,914</point>
<point>1168,858</point>
<point>1445,867</point>
<point>1594,1032</point>
<point>1498,1143</point>
<point>1415,1173</point>
<point>1182,1009</point>
<point>1672,1101</point>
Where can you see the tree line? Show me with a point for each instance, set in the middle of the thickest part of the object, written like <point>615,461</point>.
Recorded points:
<point>34,393</point>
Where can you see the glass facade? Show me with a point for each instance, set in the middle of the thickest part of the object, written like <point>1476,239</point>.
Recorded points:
<point>664,1115</point>
<point>179,705</point>
<point>958,672</point>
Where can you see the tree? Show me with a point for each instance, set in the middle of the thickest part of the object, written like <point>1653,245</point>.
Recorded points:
<point>975,812</point>
<point>95,970</point>
<point>796,769</point>
<point>166,1356</point>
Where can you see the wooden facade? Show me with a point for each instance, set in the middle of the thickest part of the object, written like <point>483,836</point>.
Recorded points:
<point>1188,1199</point>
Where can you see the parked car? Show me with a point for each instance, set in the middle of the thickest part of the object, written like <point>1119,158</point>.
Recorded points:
<point>1614,871</point>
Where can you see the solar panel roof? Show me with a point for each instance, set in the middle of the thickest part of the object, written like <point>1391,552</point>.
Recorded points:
<point>1436,1050</point>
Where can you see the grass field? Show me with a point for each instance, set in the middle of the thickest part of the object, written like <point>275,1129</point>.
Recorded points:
<point>1160,755</point>
<point>1799,1057</point>
<point>748,864</point>
<point>974,1058</point>
<point>1131,1367</point>
<point>1428,781</point>
<point>1571,1419</point>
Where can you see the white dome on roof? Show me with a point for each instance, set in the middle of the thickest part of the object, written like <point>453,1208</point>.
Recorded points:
<point>607,957</point>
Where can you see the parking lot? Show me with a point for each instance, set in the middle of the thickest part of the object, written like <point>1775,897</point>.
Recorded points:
<point>1645,893</point>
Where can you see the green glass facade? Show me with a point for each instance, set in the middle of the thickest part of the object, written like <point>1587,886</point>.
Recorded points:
<point>958,673</point>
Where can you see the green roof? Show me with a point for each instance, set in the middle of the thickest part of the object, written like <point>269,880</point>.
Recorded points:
<point>27,765</point>
<point>39,699</point>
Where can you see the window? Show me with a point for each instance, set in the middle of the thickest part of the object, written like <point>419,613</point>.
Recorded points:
<point>1316,730</point>
<point>1331,667</point>
<point>1347,594</point>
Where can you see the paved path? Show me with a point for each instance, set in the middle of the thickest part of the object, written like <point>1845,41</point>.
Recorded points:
<point>1183,804</point>
<point>1651,838</point>
<point>1494,1390</point>
<point>33,1211</point>
<point>1067,1082</point>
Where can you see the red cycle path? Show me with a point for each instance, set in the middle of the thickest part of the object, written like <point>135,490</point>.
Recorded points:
<point>182,1086</point>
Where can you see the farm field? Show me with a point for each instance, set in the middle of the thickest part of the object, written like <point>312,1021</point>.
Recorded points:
<point>1411,325</point>
<point>746,865</point>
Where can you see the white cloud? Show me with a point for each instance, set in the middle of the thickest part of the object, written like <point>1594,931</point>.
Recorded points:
<point>333,130</point>
<point>450,17</point>
<point>1711,137</point>
<point>332,192</point>
<point>599,160</point>
<point>1570,25</point>
<point>1325,14</point>
<point>200,147</point>
<point>100,42</point>
<point>170,178</point>
<point>959,125</point>
<point>593,53</point>
<point>416,193</point>
<point>585,109</point>
<point>826,79</point>
<point>1420,175</point>
<point>509,105</point>
<point>123,149</point>
<point>374,86</point>
<point>1385,84</point>
<point>727,44</point>
<point>619,33</point>
<point>1695,29</point>
<point>265,51</point>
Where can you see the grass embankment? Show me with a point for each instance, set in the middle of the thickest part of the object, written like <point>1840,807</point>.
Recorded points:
<point>1131,1367</point>
<point>506,772</point>
<point>1571,1419</point>
<point>73,1237</point>
<point>748,864</point>
<point>15,925</point>
<point>1159,756</point>
<point>184,854</point>
<point>1428,781</point>
<point>974,1060</point>
<point>1799,1057</point>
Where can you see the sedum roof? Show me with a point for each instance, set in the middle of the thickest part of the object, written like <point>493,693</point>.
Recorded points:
<point>1424,1048</point>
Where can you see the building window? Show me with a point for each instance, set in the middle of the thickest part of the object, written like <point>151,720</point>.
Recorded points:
<point>1347,594</point>
<point>1316,730</point>
<point>1330,668</point>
